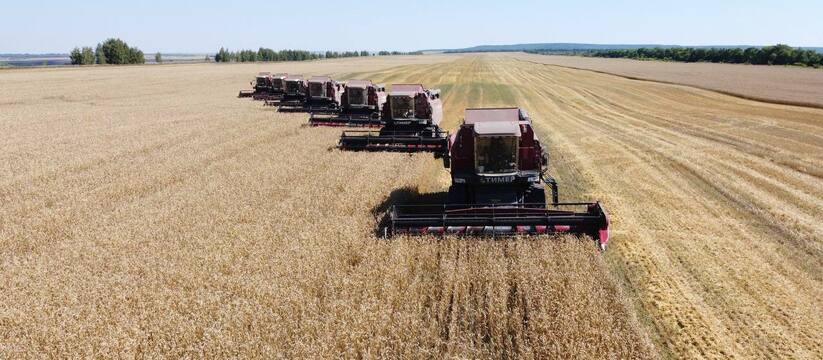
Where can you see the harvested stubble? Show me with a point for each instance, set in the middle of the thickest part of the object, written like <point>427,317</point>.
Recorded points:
<point>142,218</point>
<point>716,203</point>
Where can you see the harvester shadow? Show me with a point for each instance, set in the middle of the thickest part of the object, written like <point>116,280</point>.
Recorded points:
<point>403,196</point>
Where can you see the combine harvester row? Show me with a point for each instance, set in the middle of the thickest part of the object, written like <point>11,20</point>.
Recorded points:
<point>356,103</point>
<point>266,86</point>
<point>408,117</point>
<point>409,122</point>
<point>360,105</point>
<point>498,165</point>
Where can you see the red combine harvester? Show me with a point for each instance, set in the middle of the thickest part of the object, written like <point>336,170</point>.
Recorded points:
<point>360,106</point>
<point>261,85</point>
<point>294,92</point>
<point>275,90</point>
<point>411,116</point>
<point>323,97</point>
<point>498,186</point>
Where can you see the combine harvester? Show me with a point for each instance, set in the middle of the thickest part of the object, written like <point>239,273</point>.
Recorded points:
<point>498,186</point>
<point>275,90</point>
<point>294,92</point>
<point>261,85</point>
<point>323,97</point>
<point>411,119</point>
<point>360,106</point>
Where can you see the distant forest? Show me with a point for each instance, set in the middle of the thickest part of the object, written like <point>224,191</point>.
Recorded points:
<point>264,54</point>
<point>111,51</point>
<point>116,51</point>
<point>768,55</point>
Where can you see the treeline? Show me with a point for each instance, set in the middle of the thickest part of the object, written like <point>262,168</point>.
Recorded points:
<point>386,53</point>
<point>111,51</point>
<point>769,55</point>
<point>265,54</point>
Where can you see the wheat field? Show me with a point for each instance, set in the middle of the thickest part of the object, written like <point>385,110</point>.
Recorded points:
<point>146,211</point>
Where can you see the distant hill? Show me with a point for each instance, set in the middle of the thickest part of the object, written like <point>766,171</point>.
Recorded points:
<point>583,46</point>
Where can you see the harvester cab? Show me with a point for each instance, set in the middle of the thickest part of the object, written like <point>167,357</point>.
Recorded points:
<point>411,119</point>
<point>278,84</point>
<point>498,186</point>
<point>494,147</point>
<point>295,87</point>
<point>261,86</point>
<point>275,90</point>
<point>360,105</point>
<point>323,97</point>
<point>294,92</point>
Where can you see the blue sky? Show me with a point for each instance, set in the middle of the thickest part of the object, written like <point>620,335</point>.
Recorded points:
<point>205,25</point>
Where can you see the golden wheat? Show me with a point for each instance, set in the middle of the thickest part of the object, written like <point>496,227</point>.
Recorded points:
<point>148,212</point>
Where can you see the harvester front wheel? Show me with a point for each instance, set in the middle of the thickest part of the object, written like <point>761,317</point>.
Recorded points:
<point>457,194</point>
<point>535,196</point>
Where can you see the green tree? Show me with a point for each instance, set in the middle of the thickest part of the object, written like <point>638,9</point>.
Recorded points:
<point>99,55</point>
<point>111,51</point>
<point>783,54</point>
<point>224,55</point>
<point>136,56</point>
<point>87,56</point>
<point>116,51</point>
<point>158,58</point>
<point>84,56</point>
<point>76,56</point>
